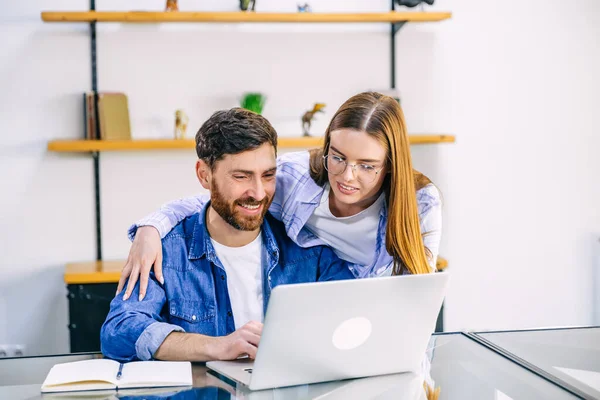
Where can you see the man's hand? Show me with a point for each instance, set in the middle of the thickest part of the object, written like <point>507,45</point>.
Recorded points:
<point>242,342</point>
<point>180,346</point>
<point>145,251</point>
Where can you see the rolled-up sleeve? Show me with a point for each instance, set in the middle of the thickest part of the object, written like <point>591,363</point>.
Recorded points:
<point>135,329</point>
<point>152,337</point>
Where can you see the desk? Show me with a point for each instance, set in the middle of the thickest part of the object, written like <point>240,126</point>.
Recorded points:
<point>571,356</point>
<point>460,366</point>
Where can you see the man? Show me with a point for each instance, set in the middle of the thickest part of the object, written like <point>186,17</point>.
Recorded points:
<point>220,264</point>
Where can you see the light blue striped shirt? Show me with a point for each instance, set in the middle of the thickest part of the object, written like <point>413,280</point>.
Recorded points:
<point>296,198</point>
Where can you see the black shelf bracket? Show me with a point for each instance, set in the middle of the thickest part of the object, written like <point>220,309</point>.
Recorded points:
<point>394,28</point>
<point>95,154</point>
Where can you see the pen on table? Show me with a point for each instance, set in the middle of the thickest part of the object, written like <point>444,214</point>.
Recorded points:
<point>120,371</point>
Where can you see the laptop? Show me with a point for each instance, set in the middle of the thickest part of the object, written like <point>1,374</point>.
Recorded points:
<point>328,331</point>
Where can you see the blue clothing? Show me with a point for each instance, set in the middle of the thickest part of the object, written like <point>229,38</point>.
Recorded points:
<point>195,298</point>
<point>296,198</point>
<point>178,393</point>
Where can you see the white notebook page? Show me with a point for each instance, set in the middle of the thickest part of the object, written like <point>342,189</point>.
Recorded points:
<point>156,373</point>
<point>83,371</point>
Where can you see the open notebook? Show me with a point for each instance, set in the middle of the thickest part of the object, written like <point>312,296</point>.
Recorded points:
<point>101,374</point>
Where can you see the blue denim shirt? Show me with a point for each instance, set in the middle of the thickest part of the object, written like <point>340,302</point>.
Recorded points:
<point>195,298</point>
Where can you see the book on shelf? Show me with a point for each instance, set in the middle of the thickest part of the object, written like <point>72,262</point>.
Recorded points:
<point>112,113</point>
<point>89,115</point>
<point>105,374</point>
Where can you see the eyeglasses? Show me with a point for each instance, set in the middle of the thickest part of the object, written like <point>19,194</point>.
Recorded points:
<point>336,165</point>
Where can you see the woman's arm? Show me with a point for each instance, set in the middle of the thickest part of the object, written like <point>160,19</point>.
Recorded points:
<point>170,215</point>
<point>430,218</point>
<point>146,249</point>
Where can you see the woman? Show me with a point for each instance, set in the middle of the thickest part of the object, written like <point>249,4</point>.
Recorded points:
<point>356,194</point>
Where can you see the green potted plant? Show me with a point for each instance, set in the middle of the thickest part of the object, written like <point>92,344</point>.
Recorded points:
<point>253,102</point>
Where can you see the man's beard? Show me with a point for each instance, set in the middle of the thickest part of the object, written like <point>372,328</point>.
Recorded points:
<point>229,213</point>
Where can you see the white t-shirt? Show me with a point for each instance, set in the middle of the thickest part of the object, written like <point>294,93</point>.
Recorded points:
<point>352,238</point>
<point>244,279</point>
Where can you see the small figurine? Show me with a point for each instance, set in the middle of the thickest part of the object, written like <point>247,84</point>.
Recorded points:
<point>172,5</point>
<point>181,123</point>
<point>413,3</point>
<point>304,8</point>
<point>245,4</point>
<point>309,115</point>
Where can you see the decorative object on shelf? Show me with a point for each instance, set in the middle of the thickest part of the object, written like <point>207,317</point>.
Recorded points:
<point>89,116</point>
<point>181,123</point>
<point>245,5</point>
<point>253,102</point>
<point>308,117</point>
<point>113,113</point>
<point>172,5</point>
<point>413,3</point>
<point>304,7</point>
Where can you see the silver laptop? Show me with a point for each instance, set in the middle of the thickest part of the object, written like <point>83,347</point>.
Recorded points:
<point>327,331</point>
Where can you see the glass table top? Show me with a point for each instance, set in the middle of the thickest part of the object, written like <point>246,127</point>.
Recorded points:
<point>464,370</point>
<point>460,367</point>
<point>571,354</point>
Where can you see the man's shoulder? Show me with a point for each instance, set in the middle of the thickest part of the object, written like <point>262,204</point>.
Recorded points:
<point>179,244</point>
<point>185,228</point>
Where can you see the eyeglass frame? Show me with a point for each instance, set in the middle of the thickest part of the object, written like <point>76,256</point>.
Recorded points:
<point>353,166</point>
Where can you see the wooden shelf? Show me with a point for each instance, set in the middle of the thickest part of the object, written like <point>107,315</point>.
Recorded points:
<point>110,271</point>
<point>79,146</point>
<point>157,144</point>
<point>240,17</point>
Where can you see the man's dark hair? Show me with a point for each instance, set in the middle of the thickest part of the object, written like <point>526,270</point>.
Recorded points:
<point>231,132</point>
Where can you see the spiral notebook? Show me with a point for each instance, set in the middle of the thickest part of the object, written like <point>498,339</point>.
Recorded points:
<point>104,374</point>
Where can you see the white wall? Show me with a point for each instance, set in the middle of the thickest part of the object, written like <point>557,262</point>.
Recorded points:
<point>518,86</point>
